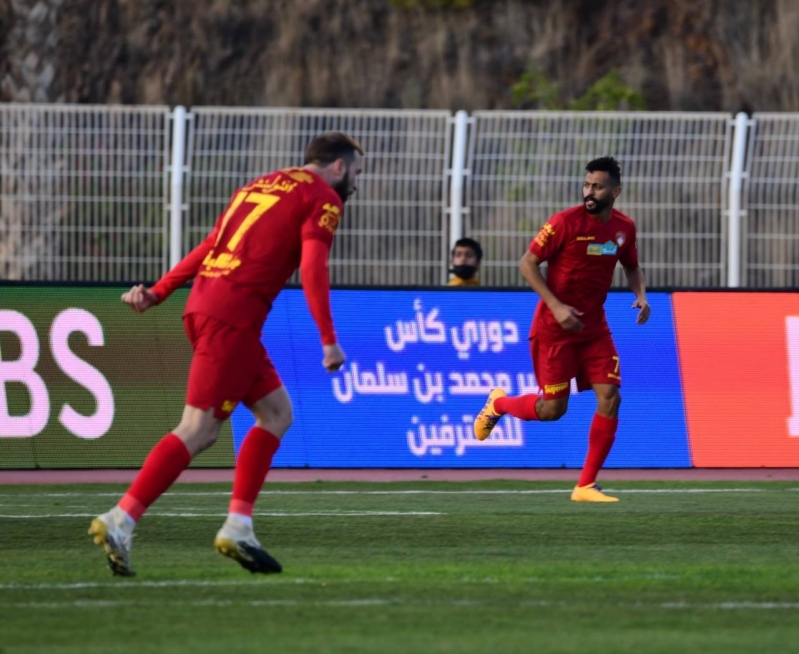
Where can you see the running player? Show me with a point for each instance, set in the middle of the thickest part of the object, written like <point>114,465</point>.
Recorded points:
<point>569,337</point>
<point>273,225</point>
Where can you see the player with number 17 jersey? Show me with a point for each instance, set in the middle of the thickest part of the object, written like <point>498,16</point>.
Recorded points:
<point>256,245</point>
<point>272,226</point>
<point>241,267</point>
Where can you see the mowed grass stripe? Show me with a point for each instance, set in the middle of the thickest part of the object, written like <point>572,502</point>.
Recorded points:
<point>377,602</point>
<point>285,579</point>
<point>276,514</point>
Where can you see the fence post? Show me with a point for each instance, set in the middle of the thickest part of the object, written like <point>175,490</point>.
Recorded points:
<point>457,172</point>
<point>176,185</point>
<point>734,201</point>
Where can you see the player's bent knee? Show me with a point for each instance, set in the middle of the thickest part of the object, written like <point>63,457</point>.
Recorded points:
<point>551,410</point>
<point>208,439</point>
<point>197,439</point>
<point>276,419</point>
<point>280,421</point>
<point>274,412</point>
<point>608,404</point>
<point>198,429</point>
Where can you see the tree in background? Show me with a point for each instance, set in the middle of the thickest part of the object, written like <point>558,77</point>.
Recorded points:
<point>609,93</point>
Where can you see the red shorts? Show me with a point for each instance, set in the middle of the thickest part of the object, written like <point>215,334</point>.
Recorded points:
<point>230,365</point>
<point>557,361</point>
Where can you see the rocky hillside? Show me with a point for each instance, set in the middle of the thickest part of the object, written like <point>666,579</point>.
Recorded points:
<point>680,54</point>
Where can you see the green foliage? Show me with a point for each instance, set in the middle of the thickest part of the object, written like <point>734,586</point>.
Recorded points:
<point>432,4</point>
<point>535,90</point>
<point>609,93</point>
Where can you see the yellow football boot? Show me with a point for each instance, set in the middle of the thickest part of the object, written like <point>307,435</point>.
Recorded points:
<point>487,419</point>
<point>591,493</point>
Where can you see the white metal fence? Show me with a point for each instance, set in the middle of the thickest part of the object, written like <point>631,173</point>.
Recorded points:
<point>526,166</point>
<point>394,229</point>
<point>82,192</point>
<point>120,193</point>
<point>770,222</point>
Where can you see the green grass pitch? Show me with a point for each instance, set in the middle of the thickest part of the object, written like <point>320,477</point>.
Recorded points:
<point>412,567</point>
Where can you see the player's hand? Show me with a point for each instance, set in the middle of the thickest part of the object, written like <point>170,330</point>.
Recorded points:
<point>645,310</point>
<point>334,357</point>
<point>140,298</point>
<point>568,317</point>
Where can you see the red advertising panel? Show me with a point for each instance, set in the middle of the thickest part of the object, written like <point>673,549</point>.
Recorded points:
<point>739,360</point>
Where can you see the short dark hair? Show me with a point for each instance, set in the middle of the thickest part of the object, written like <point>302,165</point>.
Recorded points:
<point>606,165</point>
<point>326,148</point>
<point>470,243</point>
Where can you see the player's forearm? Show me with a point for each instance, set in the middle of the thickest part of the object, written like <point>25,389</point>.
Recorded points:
<point>637,282</point>
<point>316,285</point>
<point>184,271</point>
<point>532,273</point>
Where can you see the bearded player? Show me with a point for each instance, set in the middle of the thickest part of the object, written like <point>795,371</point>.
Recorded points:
<point>273,225</point>
<point>569,337</point>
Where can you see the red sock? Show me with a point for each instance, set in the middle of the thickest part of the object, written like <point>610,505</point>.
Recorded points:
<point>254,461</point>
<point>160,470</point>
<point>600,440</point>
<point>522,407</point>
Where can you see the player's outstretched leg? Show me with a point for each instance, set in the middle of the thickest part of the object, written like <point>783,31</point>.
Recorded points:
<point>488,417</point>
<point>237,541</point>
<point>113,532</point>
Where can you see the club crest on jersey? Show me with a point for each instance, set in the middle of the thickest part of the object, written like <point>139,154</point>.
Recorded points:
<point>621,237</point>
<point>598,249</point>
<point>330,217</point>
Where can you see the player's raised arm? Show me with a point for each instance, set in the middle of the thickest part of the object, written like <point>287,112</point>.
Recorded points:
<point>139,298</point>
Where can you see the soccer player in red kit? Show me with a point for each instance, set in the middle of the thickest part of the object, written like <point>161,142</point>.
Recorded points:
<point>273,225</point>
<point>569,337</point>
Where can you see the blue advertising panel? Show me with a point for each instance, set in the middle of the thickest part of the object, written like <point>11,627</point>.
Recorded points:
<point>420,365</point>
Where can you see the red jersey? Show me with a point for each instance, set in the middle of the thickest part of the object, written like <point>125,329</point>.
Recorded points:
<point>581,253</point>
<point>255,246</point>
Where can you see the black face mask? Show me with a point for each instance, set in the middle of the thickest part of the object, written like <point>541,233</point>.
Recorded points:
<point>464,272</point>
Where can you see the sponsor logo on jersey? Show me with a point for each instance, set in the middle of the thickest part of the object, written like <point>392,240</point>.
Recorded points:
<point>218,266</point>
<point>552,389</point>
<point>610,248</point>
<point>598,249</point>
<point>586,238</point>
